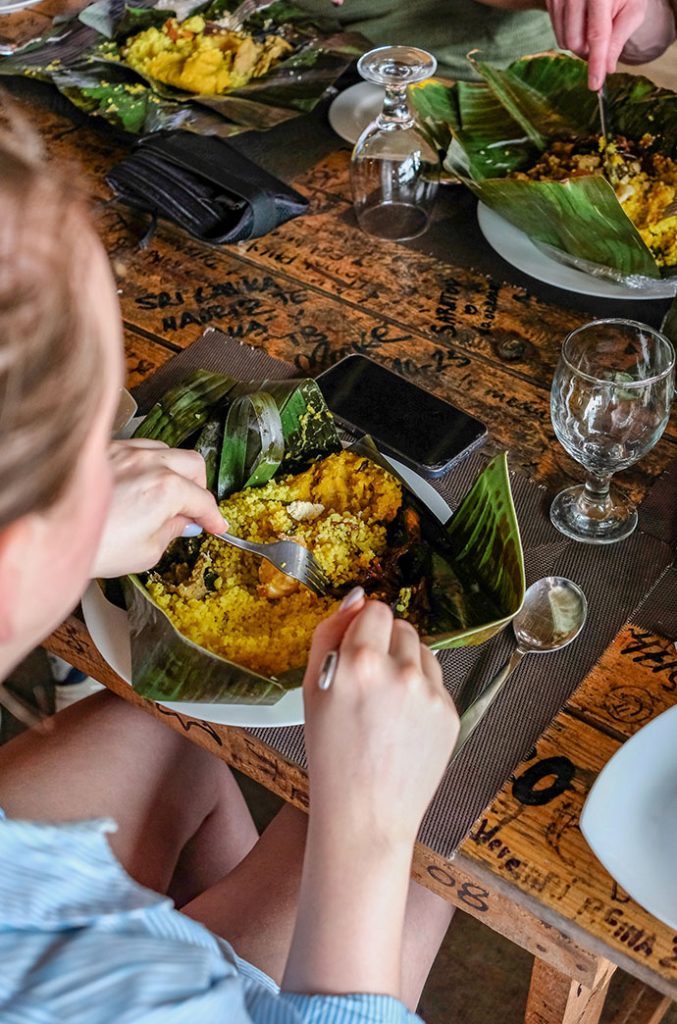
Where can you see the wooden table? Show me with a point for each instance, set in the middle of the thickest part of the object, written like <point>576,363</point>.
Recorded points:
<point>311,292</point>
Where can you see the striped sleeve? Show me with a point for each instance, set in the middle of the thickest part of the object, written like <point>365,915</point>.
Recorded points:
<point>265,1007</point>
<point>81,942</point>
<point>356,1009</point>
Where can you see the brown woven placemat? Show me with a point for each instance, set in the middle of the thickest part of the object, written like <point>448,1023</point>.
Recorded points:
<point>616,579</point>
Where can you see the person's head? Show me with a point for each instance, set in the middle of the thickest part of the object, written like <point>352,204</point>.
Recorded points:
<point>60,374</point>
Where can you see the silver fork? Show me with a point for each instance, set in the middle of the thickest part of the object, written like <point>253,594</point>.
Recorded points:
<point>289,557</point>
<point>669,211</point>
<point>604,123</point>
<point>236,19</point>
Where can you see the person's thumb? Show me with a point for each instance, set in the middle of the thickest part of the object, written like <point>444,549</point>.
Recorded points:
<point>193,509</point>
<point>200,507</point>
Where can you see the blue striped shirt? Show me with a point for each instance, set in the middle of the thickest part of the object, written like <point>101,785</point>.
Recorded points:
<point>82,943</point>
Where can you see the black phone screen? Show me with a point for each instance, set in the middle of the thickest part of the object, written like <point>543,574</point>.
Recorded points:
<point>412,424</point>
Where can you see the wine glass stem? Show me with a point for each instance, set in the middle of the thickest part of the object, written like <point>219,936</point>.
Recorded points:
<point>396,107</point>
<point>595,501</point>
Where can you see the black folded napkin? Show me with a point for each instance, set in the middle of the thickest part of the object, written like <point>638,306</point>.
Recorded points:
<point>205,186</point>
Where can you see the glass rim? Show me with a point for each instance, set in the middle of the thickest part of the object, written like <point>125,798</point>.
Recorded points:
<point>381,51</point>
<point>623,322</point>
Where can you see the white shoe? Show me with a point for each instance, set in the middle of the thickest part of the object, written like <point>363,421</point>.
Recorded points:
<point>66,694</point>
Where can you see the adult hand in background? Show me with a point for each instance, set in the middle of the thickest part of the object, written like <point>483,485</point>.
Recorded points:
<point>598,30</point>
<point>157,491</point>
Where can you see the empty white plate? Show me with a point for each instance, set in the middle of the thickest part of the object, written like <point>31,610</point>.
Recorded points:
<point>517,248</point>
<point>355,108</point>
<point>8,6</point>
<point>630,817</point>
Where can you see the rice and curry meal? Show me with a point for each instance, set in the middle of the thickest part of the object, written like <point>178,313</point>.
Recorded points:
<point>213,623</point>
<point>645,183</point>
<point>203,56</point>
<point>347,510</point>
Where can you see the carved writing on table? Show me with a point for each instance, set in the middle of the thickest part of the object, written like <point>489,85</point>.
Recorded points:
<point>440,306</point>
<point>544,781</point>
<point>620,925</point>
<point>535,841</point>
<point>628,925</point>
<point>532,877</point>
<point>74,638</point>
<point>470,893</point>
<point>654,653</point>
<point>178,287</point>
<point>203,304</point>
<point>670,961</point>
<point>635,680</point>
<point>628,704</point>
<point>187,724</point>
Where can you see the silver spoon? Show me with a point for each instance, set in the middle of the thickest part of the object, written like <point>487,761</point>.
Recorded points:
<point>553,614</point>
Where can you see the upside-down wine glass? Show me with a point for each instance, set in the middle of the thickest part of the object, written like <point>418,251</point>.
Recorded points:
<point>394,169</point>
<point>610,403</point>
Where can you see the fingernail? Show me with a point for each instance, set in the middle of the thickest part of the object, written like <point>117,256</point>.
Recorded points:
<point>191,530</point>
<point>226,525</point>
<point>355,595</point>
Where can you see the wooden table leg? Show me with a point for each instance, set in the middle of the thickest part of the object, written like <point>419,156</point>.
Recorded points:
<point>556,998</point>
<point>642,1005</point>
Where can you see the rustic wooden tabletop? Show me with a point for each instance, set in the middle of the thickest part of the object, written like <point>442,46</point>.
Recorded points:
<point>451,315</point>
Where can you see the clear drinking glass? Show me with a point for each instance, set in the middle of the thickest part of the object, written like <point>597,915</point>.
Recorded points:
<point>394,170</point>
<point>610,403</point>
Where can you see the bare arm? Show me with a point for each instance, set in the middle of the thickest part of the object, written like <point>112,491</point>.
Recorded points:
<point>655,34</point>
<point>348,935</point>
<point>378,741</point>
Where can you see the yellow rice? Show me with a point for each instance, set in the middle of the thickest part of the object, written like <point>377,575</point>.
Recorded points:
<point>645,188</point>
<point>235,619</point>
<point>209,62</point>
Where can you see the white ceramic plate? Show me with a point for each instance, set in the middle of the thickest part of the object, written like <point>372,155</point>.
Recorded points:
<point>7,6</point>
<point>109,630</point>
<point>355,108</point>
<point>517,248</point>
<point>630,817</point>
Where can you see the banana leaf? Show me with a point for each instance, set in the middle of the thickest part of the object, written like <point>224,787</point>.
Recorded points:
<point>503,124</point>
<point>185,408</point>
<point>168,666</point>
<point>209,445</point>
<point>82,58</point>
<point>257,428</point>
<point>476,566</point>
<point>253,443</point>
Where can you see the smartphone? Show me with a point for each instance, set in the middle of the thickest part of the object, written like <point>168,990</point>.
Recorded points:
<point>422,431</point>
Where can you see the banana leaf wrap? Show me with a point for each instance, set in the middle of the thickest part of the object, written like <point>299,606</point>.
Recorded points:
<point>502,124</point>
<point>81,57</point>
<point>475,564</point>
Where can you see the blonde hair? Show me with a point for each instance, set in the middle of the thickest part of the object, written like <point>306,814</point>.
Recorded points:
<point>49,350</point>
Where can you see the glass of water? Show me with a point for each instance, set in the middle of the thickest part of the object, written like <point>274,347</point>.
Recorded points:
<point>395,170</point>
<point>610,403</point>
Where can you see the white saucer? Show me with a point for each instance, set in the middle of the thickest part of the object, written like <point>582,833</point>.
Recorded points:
<point>517,248</point>
<point>355,108</point>
<point>109,630</point>
<point>8,6</point>
<point>630,817</point>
